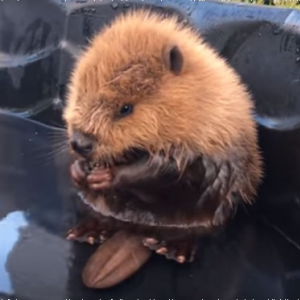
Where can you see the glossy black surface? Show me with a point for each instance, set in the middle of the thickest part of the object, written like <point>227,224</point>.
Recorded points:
<point>259,255</point>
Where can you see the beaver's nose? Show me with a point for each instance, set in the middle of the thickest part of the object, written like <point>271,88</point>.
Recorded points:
<point>81,143</point>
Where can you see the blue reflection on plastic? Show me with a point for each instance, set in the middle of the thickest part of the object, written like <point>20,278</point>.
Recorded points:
<point>9,231</point>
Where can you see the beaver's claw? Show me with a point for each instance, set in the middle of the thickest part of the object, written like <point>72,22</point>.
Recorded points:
<point>78,173</point>
<point>180,251</point>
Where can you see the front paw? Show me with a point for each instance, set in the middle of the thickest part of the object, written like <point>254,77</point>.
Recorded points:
<point>180,251</point>
<point>99,179</point>
<point>79,173</point>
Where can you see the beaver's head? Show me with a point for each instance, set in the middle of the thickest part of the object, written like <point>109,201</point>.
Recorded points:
<point>151,84</point>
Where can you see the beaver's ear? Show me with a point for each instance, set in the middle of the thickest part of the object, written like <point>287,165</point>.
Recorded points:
<point>173,59</point>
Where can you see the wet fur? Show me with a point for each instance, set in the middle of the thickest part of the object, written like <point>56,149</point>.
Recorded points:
<point>196,125</point>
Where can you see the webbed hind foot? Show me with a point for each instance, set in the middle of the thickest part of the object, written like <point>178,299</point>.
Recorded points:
<point>90,231</point>
<point>180,251</point>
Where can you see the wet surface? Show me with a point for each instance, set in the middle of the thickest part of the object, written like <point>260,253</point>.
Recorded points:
<point>258,257</point>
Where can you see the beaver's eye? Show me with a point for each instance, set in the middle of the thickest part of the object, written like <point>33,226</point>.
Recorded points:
<point>126,110</point>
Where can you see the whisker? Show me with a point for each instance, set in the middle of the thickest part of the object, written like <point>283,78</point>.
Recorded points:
<point>56,142</point>
<point>51,150</point>
<point>282,234</point>
<point>59,125</point>
<point>48,157</point>
<point>57,137</point>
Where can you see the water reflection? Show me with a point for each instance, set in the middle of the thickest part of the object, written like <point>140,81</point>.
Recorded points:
<point>278,123</point>
<point>9,231</point>
<point>14,60</point>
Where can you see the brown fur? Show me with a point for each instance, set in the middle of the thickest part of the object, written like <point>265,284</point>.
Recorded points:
<point>205,111</point>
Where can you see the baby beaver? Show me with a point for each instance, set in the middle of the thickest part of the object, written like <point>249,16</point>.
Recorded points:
<point>162,131</point>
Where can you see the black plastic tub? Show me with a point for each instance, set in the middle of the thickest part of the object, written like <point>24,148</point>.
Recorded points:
<point>259,257</point>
